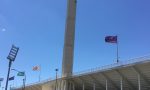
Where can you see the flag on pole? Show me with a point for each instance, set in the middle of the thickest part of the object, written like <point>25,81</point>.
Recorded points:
<point>11,78</point>
<point>111,39</point>
<point>1,79</point>
<point>20,73</point>
<point>36,68</point>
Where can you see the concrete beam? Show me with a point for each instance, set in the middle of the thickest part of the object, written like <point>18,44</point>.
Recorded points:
<point>139,82</point>
<point>96,81</point>
<point>87,83</point>
<point>126,80</point>
<point>75,83</point>
<point>107,78</point>
<point>141,75</point>
<point>94,88</point>
<point>121,84</point>
<point>82,81</point>
<point>106,85</point>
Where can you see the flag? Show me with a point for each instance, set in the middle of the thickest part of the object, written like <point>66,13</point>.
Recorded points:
<point>111,39</point>
<point>20,73</point>
<point>11,78</point>
<point>1,79</point>
<point>36,68</point>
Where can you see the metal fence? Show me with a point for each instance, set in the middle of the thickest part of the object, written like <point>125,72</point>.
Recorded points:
<point>145,58</point>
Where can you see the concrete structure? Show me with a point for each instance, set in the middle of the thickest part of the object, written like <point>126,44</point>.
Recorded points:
<point>68,53</point>
<point>67,64</point>
<point>128,75</point>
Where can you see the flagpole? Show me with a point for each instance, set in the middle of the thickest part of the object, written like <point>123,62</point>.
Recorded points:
<point>40,74</point>
<point>117,51</point>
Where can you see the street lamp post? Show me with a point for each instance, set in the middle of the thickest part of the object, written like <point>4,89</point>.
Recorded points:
<point>23,88</point>
<point>24,79</point>
<point>11,57</point>
<point>56,79</point>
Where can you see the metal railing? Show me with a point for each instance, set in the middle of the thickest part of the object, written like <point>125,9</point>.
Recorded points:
<point>111,66</point>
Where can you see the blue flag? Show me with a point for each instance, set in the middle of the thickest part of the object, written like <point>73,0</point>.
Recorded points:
<point>111,39</point>
<point>11,78</point>
<point>1,79</point>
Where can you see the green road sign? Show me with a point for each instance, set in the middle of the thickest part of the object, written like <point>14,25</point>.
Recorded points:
<point>21,74</point>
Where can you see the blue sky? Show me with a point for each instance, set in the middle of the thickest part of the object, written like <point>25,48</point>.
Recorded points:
<point>37,27</point>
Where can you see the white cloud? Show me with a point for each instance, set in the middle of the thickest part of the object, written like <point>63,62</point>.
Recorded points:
<point>3,29</point>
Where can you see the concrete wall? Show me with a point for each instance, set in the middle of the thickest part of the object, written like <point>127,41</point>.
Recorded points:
<point>48,86</point>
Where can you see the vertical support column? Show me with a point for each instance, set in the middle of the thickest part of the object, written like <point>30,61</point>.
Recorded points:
<point>68,52</point>
<point>70,85</point>
<point>64,85</point>
<point>59,85</point>
<point>83,87</point>
<point>121,83</point>
<point>106,84</point>
<point>94,86</point>
<point>139,82</point>
<point>73,86</point>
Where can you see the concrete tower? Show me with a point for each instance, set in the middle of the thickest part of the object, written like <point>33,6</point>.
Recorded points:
<point>68,53</point>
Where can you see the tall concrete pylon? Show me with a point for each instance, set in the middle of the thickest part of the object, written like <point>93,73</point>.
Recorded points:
<point>68,53</point>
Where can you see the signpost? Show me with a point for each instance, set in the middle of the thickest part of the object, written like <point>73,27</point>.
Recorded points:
<point>19,73</point>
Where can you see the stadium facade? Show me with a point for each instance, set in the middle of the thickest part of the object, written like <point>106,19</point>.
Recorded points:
<point>133,74</point>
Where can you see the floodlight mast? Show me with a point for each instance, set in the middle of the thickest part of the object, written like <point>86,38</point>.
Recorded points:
<point>11,57</point>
